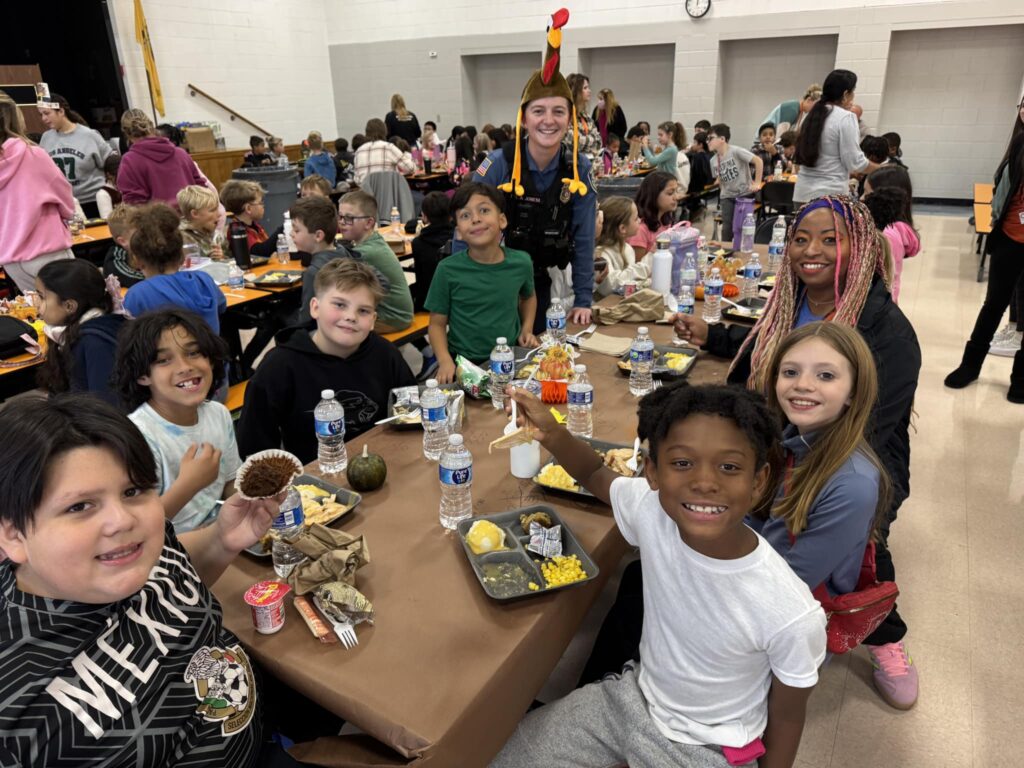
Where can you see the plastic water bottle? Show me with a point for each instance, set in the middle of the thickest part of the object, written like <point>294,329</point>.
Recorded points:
<point>778,170</point>
<point>713,297</point>
<point>236,277</point>
<point>288,232</point>
<point>456,473</point>
<point>688,274</point>
<point>581,404</point>
<point>283,256</point>
<point>751,277</point>
<point>703,258</point>
<point>641,359</point>
<point>777,245</point>
<point>282,161</point>
<point>555,321</point>
<point>329,417</point>
<point>503,363</point>
<point>288,522</point>
<point>686,301</point>
<point>434,415</point>
<point>396,220</point>
<point>747,233</point>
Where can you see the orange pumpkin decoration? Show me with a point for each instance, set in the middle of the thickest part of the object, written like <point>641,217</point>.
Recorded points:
<point>730,290</point>
<point>554,391</point>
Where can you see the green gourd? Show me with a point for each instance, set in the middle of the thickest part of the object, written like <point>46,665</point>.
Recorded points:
<point>367,471</point>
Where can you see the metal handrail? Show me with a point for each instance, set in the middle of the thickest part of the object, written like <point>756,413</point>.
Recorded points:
<point>194,89</point>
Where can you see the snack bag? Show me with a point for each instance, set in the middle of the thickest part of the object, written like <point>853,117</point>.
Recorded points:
<point>473,379</point>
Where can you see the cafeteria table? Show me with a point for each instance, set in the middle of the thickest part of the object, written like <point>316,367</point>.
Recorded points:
<point>445,673</point>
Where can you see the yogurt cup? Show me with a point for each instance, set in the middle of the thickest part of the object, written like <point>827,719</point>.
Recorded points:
<point>266,601</point>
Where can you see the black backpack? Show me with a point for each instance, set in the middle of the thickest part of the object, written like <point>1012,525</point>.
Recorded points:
<point>11,330</point>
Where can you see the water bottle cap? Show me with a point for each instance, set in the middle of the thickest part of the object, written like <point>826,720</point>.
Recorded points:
<point>455,439</point>
<point>327,394</point>
<point>431,383</point>
<point>642,329</point>
<point>580,368</point>
<point>502,340</point>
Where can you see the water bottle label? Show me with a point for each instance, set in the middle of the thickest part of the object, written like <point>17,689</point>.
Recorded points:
<point>455,476</point>
<point>581,398</point>
<point>288,518</point>
<point>556,323</point>
<point>685,309</point>
<point>774,250</point>
<point>753,272</point>
<point>641,356</point>
<point>331,428</point>
<point>435,414</point>
<point>502,367</point>
<point>711,289</point>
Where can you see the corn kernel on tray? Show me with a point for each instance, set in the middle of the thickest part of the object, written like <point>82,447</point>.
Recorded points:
<point>550,469</point>
<point>499,571</point>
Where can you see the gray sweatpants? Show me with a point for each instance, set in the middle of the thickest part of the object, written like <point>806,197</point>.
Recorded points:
<point>601,725</point>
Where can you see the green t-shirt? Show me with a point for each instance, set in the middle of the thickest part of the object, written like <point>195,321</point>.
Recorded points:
<point>396,309</point>
<point>480,300</point>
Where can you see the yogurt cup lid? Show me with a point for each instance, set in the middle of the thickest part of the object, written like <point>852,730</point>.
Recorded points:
<point>266,592</point>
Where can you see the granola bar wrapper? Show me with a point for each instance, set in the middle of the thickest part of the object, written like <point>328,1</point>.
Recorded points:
<point>265,474</point>
<point>343,602</point>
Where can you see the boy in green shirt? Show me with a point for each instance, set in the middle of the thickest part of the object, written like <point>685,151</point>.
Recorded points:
<point>357,220</point>
<point>482,293</point>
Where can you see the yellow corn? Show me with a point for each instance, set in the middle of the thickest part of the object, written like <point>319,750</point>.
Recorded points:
<point>561,570</point>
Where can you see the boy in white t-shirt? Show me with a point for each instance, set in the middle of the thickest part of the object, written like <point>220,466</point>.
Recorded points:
<point>732,639</point>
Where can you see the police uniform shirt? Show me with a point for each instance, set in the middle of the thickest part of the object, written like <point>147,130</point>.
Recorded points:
<point>152,680</point>
<point>496,170</point>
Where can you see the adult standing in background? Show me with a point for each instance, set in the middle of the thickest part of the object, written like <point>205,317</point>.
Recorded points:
<point>401,122</point>
<point>790,115</point>
<point>551,212</point>
<point>828,145</point>
<point>35,202</point>
<point>589,139</point>
<point>77,149</point>
<point>378,154</point>
<point>609,117</point>
<point>154,169</point>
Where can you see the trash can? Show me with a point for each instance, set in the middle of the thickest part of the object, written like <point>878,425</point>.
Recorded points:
<point>280,188</point>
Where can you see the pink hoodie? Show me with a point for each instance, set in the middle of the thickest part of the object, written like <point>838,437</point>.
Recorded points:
<point>35,203</point>
<point>904,243</point>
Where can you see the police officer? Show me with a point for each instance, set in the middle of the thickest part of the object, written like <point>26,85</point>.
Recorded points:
<point>551,212</point>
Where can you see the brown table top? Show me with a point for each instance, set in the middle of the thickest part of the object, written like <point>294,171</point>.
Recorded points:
<point>96,235</point>
<point>445,673</point>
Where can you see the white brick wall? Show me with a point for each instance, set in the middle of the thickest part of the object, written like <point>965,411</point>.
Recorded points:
<point>266,59</point>
<point>396,36</point>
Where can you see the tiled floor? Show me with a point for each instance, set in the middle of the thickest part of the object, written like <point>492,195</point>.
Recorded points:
<point>959,568</point>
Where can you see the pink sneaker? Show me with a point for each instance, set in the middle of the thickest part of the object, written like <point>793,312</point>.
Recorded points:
<point>895,674</point>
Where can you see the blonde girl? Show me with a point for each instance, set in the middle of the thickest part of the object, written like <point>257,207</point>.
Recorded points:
<point>621,222</point>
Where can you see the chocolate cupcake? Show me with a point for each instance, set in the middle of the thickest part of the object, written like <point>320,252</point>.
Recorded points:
<point>266,474</point>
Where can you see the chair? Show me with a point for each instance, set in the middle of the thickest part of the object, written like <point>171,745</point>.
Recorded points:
<point>777,197</point>
<point>763,233</point>
<point>390,190</point>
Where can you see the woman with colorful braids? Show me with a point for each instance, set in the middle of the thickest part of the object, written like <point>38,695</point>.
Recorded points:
<point>836,268</point>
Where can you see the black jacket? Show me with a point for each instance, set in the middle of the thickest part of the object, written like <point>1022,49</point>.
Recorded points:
<point>92,357</point>
<point>893,344</point>
<point>426,255</point>
<point>408,128</point>
<point>616,125</point>
<point>281,396</point>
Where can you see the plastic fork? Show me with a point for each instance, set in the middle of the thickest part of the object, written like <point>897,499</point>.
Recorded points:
<point>632,463</point>
<point>345,631</point>
<point>577,337</point>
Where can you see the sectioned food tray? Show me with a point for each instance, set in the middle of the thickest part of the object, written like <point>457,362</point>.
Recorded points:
<point>662,355</point>
<point>407,400</point>
<point>279,277</point>
<point>751,311</point>
<point>349,499</point>
<point>598,445</point>
<point>499,572</point>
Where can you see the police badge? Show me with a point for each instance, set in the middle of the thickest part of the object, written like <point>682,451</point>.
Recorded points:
<point>564,197</point>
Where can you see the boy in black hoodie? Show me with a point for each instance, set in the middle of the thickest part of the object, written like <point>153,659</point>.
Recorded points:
<point>338,350</point>
<point>427,245</point>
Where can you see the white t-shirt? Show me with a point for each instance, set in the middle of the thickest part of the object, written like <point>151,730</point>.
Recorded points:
<point>169,442</point>
<point>715,630</point>
<point>839,156</point>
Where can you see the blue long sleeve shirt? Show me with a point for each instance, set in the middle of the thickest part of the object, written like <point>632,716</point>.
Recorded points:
<point>322,164</point>
<point>831,548</point>
<point>496,170</point>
